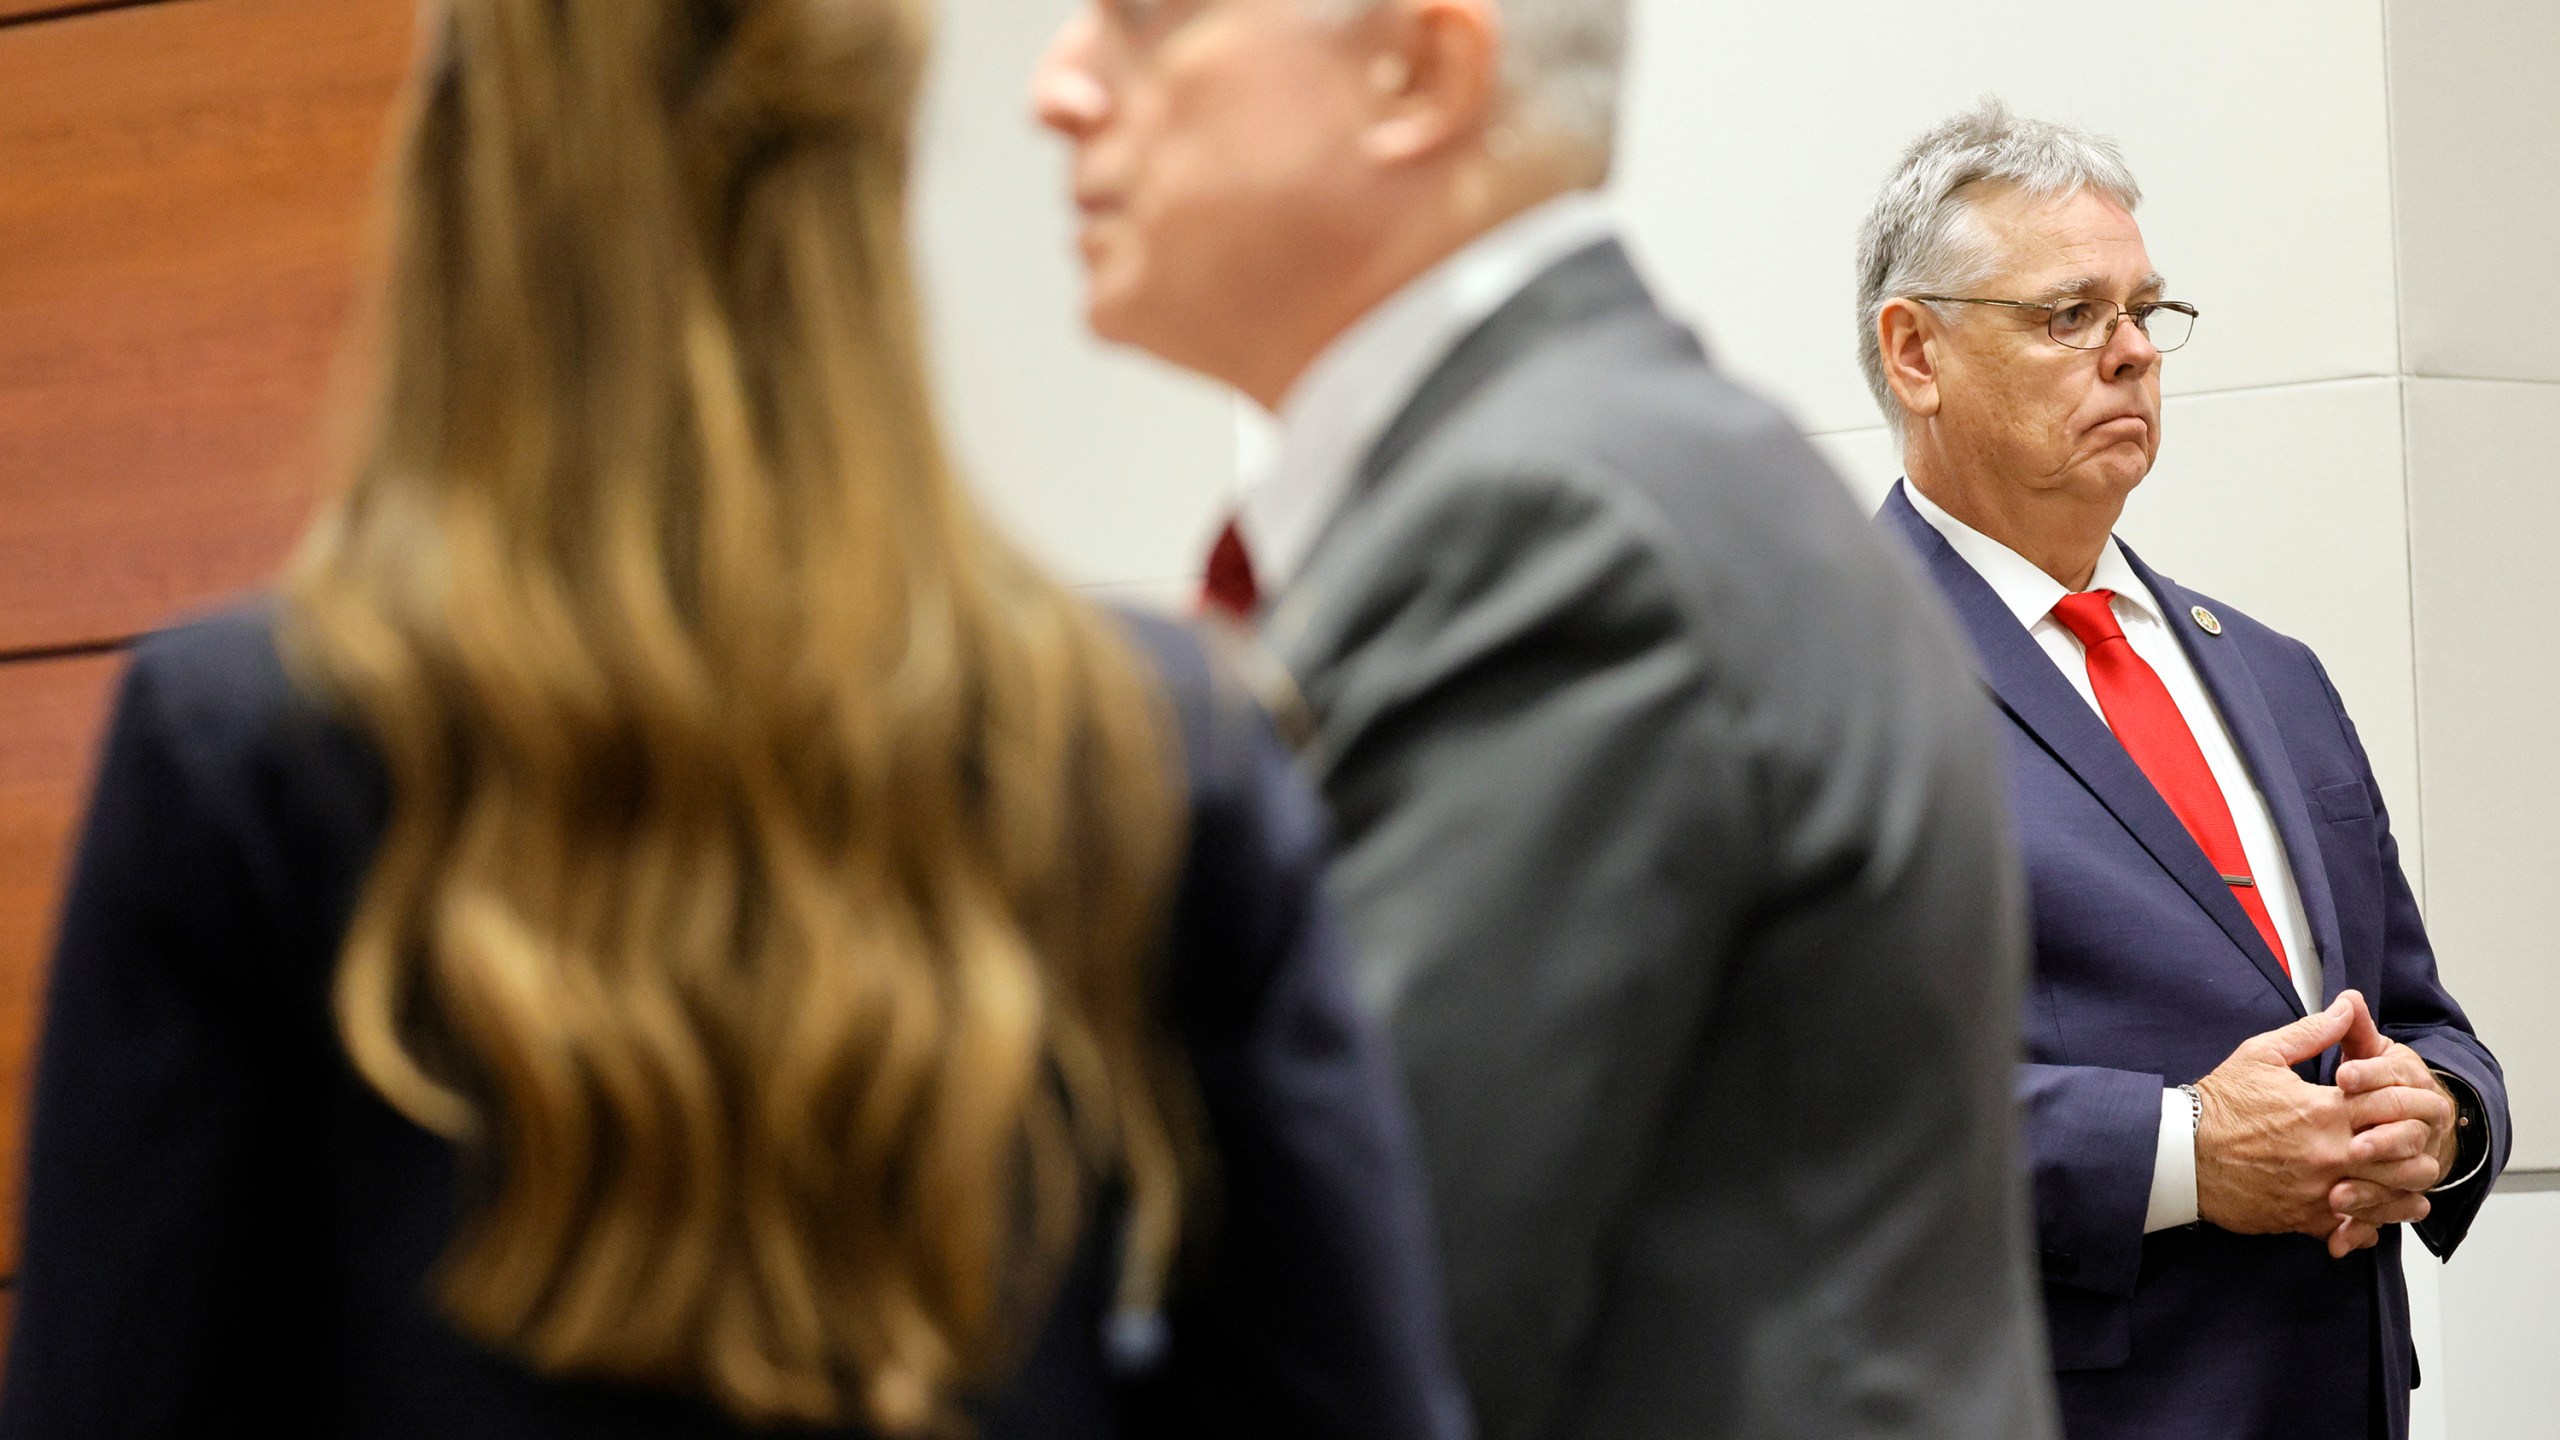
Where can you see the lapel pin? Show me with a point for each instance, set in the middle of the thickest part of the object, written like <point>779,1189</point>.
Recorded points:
<point>2206,620</point>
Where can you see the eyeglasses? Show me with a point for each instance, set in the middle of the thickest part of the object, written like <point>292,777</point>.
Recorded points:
<point>2088,324</point>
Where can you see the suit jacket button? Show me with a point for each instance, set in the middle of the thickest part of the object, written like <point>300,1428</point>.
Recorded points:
<point>2058,1265</point>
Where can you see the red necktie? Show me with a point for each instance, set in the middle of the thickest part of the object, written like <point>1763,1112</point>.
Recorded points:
<point>1228,587</point>
<point>2148,725</point>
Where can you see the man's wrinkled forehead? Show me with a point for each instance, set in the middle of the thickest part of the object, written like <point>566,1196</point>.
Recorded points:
<point>2091,284</point>
<point>2083,245</point>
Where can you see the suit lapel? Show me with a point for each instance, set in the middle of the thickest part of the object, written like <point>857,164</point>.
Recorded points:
<point>2235,692</point>
<point>1591,282</point>
<point>2033,690</point>
<point>1596,281</point>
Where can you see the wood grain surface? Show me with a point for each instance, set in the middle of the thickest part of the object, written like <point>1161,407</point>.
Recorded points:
<point>50,716</point>
<point>187,189</point>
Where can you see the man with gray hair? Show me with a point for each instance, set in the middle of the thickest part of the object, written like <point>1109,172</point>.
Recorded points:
<point>2243,1073</point>
<point>1671,836</point>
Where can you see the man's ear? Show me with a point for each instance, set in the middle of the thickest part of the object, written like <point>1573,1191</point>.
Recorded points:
<point>1435,75</point>
<point>1909,334</point>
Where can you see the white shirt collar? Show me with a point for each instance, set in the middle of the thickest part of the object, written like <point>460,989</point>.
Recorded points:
<point>1344,403</point>
<point>2030,593</point>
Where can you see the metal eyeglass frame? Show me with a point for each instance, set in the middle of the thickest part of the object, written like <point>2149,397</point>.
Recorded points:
<point>2140,315</point>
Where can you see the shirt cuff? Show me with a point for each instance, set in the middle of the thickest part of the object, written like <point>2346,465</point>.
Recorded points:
<point>2173,1166</point>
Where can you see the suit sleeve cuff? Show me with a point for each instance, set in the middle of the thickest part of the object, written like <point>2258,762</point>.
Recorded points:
<point>2173,1166</point>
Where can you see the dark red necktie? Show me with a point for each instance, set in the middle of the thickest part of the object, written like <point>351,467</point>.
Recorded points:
<point>2147,723</point>
<point>1228,587</point>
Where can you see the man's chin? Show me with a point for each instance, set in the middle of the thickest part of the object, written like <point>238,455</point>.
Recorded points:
<point>2116,469</point>
<point>1112,314</point>
<point>1103,321</point>
<point>1122,318</point>
<point>2097,481</point>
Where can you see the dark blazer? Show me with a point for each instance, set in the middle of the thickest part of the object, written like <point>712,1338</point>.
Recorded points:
<point>1672,844</point>
<point>228,1232</point>
<point>2148,974</point>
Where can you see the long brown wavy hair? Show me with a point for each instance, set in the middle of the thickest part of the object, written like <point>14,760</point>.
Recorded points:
<point>775,856</point>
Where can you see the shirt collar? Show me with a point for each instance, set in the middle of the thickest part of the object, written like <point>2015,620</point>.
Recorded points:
<point>2028,592</point>
<point>1344,403</point>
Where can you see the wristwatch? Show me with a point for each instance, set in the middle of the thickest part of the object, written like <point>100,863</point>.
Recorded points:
<point>2471,1130</point>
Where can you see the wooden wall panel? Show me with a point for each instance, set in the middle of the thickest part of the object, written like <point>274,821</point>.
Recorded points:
<point>188,185</point>
<point>50,714</point>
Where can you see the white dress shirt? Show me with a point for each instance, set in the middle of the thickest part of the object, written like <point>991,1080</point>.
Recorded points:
<point>1343,405</point>
<point>2031,595</point>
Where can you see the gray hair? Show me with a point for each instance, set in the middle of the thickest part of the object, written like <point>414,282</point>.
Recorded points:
<point>1922,237</point>
<point>1562,65</point>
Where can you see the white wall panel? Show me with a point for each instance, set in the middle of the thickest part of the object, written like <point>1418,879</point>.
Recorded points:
<point>1757,136</point>
<point>2496,1380</point>
<point>1869,460</point>
<point>1111,466</point>
<point>2476,139</point>
<point>2426,1326</point>
<point>2485,486</point>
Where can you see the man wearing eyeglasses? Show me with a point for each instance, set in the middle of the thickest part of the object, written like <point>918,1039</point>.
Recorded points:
<point>2244,1075</point>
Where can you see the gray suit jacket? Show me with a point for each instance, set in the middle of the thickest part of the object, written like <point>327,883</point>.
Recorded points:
<point>1674,848</point>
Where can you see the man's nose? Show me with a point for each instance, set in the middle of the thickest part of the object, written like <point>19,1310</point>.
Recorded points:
<point>1066,94</point>
<point>2129,351</point>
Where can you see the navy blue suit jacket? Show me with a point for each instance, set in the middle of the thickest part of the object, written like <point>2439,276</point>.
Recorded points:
<point>227,1232</point>
<point>2148,973</point>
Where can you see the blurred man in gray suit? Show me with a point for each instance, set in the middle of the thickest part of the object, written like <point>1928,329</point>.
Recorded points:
<point>1672,835</point>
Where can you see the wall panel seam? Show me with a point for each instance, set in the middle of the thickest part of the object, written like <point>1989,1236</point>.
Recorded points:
<point>2417,643</point>
<point>2479,379</point>
<point>37,654</point>
<point>2400,354</point>
<point>73,9</point>
<point>2391,190</point>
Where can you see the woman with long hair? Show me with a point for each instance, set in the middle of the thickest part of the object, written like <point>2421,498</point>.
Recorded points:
<point>668,925</point>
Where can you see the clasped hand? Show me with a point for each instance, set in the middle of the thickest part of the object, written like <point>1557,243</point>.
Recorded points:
<point>2277,1155</point>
